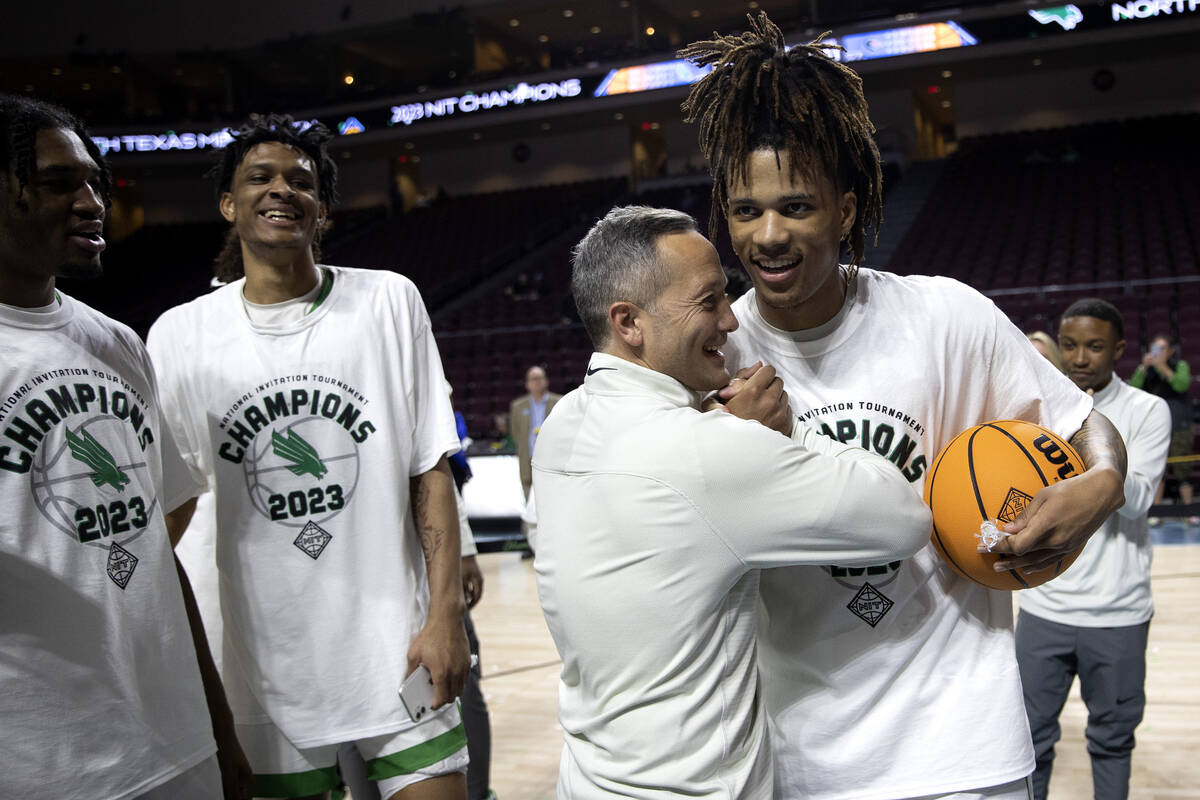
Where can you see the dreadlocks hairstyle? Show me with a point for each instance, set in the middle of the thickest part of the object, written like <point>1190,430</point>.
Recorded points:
<point>20,120</point>
<point>801,101</point>
<point>312,140</point>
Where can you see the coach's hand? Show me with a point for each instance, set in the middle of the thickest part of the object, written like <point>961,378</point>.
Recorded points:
<point>756,393</point>
<point>442,647</point>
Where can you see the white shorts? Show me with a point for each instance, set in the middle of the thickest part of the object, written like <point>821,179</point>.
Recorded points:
<point>201,782</point>
<point>1020,789</point>
<point>437,746</point>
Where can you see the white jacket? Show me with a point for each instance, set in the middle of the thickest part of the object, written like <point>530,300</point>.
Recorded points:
<point>653,521</point>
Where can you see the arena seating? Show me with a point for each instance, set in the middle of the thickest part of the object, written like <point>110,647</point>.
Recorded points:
<point>1035,220</point>
<point>456,242</point>
<point>1039,219</point>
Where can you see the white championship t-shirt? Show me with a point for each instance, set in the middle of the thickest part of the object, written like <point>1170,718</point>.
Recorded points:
<point>1108,586</point>
<point>310,432</point>
<point>100,695</point>
<point>898,680</point>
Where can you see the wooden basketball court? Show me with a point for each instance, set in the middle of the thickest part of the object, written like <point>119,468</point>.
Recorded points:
<point>521,672</point>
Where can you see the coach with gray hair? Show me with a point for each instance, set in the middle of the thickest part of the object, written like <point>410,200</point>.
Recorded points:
<point>655,517</point>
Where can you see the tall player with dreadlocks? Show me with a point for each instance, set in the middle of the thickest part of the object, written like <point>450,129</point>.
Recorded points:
<point>312,398</point>
<point>896,681</point>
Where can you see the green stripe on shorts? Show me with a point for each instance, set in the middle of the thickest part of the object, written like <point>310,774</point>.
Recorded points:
<point>297,784</point>
<point>418,756</point>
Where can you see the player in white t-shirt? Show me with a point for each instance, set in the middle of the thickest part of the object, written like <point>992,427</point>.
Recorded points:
<point>100,695</point>
<point>1094,620</point>
<point>312,399</point>
<point>897,680</point>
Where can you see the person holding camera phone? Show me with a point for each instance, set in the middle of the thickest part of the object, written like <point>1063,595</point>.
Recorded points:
<point>1164,373</point>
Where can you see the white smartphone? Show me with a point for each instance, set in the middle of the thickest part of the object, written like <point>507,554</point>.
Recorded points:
<point>416,693</point>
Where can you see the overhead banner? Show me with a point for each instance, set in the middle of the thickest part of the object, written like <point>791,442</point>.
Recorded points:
<point>904,41</point>
<point>1031,24</point>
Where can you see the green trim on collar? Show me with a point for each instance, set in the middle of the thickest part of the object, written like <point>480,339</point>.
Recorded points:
<point>326,288</point>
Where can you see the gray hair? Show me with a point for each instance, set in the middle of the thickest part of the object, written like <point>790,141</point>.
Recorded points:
<point>618,260</point>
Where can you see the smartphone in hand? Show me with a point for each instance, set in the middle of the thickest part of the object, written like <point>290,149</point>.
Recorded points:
<point>416,693</point>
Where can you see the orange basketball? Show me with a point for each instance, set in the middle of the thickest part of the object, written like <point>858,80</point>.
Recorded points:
<point>991,472</point>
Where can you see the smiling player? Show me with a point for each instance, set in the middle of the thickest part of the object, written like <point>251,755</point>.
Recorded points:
<point>100,695</point>
<point>877,679</point>
<point>312,398</point>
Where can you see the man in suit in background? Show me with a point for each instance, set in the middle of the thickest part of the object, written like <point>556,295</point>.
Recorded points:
<point>525,418</point>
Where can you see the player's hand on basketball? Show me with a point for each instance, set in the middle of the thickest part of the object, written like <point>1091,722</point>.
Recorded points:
<point>442,647</point>
<point>1058,521</point>
<point>761,397</point>
<point>472,577</point>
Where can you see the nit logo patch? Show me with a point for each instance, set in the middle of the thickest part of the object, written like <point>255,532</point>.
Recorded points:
<point>312,540</point>
<point>121,564</point>
<point>1014,503</point>
<point>870,605</point>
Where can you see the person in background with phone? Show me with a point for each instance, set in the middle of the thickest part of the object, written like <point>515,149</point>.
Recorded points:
<point>1164,373</point>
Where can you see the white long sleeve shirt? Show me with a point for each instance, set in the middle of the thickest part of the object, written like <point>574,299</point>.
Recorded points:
<point>653,521</point>
<point>1109,584</point>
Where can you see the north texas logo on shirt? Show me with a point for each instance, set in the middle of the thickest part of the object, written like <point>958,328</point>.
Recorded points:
<point>85,449</point>
<point>297,442</point>
<point>303,456</point>
<point>81,445</point>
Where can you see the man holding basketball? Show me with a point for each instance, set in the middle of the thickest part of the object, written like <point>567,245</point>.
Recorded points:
<point>1094,619</point>
<point>100,695</point>
<point>312,398</point>
<point>898,680</point>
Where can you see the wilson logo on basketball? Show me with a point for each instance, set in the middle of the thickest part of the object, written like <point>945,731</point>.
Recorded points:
<point>1055,455</point>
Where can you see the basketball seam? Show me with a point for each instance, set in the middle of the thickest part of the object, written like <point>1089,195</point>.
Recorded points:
<point>971,471</point>
<point>1025,452</point>
<point>1016,575</point>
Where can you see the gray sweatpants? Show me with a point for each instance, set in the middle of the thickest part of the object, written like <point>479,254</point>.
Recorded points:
<point>1111,664</point>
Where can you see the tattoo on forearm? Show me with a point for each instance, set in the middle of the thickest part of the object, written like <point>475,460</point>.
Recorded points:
<point>1098,438</point>
<point>431,541</point>
<point>432,536</point>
